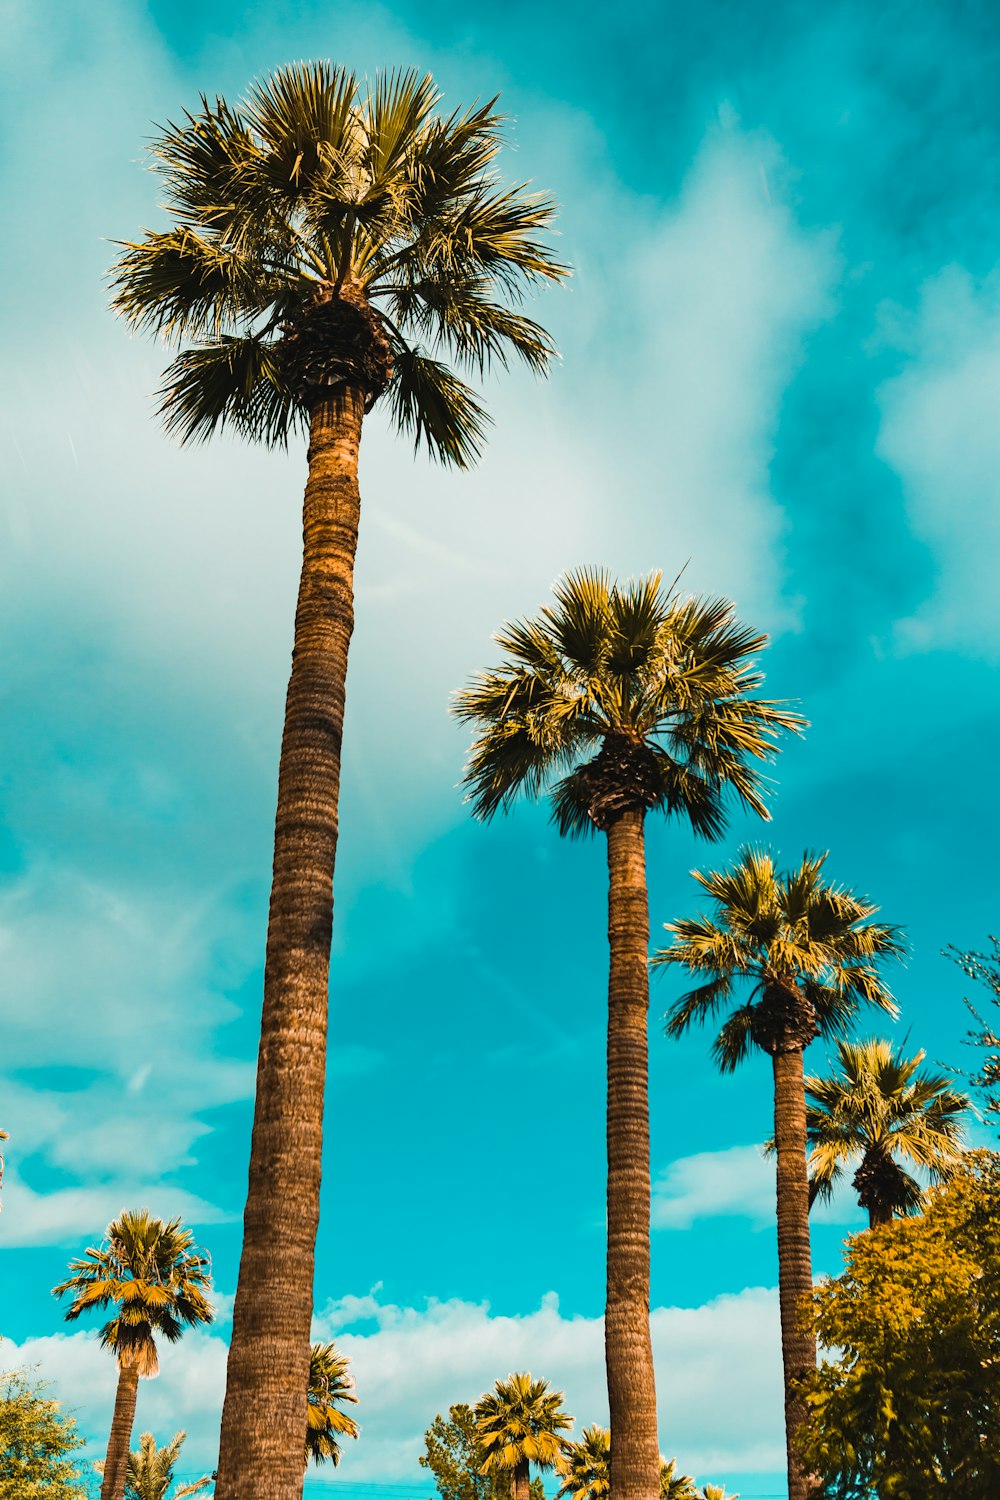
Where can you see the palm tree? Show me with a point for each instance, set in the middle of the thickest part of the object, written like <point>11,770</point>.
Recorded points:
<point>333,246</point>
<point>585,1466</point>
<point>586,1470</point>
<point>150,1471</point>
<point>621,700</point>
<point>806,957</point>
<point>674,1486</point>
<point>329,1384</point>
<point>874,1109</point>
<point>156,1280</point>
<point>517,1425</point>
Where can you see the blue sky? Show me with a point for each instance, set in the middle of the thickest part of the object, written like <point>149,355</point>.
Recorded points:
<point>781,366</point>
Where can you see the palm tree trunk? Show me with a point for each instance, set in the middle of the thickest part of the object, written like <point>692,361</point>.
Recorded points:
<point>120,1440</point>
<point>798,1343</point>
<point>635,1453</point>
<point>264,1416</point>
<point>522,1482</point>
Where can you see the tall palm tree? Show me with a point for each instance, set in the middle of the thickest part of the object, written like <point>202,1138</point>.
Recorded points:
<point>334,245</point>
<point>792,957</point>
<point>586,1471</point>
<point>517,1425</point>
<point>329,1385</point>
<point>150,1471</point>
<point>156,1280</point>
<point>875,1108</point>
<point>623,699</point>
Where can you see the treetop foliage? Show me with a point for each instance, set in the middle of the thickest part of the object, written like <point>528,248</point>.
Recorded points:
<point>909,1405</point>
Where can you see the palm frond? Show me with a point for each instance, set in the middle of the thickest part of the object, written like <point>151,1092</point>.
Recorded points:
<point>440,411</point>
<point>237,382</point>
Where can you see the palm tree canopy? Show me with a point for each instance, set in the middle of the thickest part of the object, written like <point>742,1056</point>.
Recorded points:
<point>151,1471</point>
<point>623,697</point>
<point>586,1470</point>
<point>674,1486</point>
<point>154,1277</point>
<point>328,232</point>
<point>585,1466</point>
<point>804,952</point>
<point>877,1105</point>
<point>329,1384</point>
<point>518,1423</point>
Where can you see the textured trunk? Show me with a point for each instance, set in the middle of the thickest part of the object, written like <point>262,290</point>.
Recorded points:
<point>635,1453</point>
<point>120,1440</point>
<point>264,1416</point>
<point>798,1344</point>
<point>879,1215</point>
<point>522,1482</point>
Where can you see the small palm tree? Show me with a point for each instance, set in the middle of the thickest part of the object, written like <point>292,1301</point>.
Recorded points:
<point>586,1470</point>
<point>329,1385</point>
<point>622,700</point>
<point>156,1280</point>
<point>585,1467</point>
<point>334,245</point>
<point>791,957</point>
<point>150,1471</point>
<point>674,1486</point>
<point>517,1425</point>
<point>874,1109</point>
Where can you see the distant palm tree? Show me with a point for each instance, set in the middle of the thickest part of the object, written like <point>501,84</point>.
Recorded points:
<point>156,1280</point>
<point>517,1425</point>
<point>329,1384</point>
<point>585,1467</point>
<point>620,700</point>
<point>151,1470</point>
<point>586,1471</point>
<point>805,955</point>
<point>873,1110</point>
<point>674,1486</point>
<point>334,244</point>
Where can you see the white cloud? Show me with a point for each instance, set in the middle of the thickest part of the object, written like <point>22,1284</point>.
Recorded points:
<point>738,1182</point>
<point>718,1378</point>
<point>71,1215</point>
<point>940,433</point>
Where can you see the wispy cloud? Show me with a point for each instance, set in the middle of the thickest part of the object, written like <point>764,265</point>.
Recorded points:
<point>416,1361</point>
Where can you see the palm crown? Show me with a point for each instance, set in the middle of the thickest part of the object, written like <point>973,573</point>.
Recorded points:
<point>150,1471</point>
<point>150,1272</point>
<point>326,231</point>
<point>805,949</point>
<point>586,1471</point>
<point>518,1422</point>
<point>329,1383</point>
<point>875,1108</point>
<point>585,1466</point>
<point>621,698</point>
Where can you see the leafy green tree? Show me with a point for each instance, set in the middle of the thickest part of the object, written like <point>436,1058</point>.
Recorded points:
<point>791,957</point>
<point>984,968</point>
<point>334,245</point>
<point>873,1110</point>
<point>38,1442</point>
<point>453,1455</point>
<point>908,1408</point>
<point>156,1280</point>
<point>329,1386</point>
<point>150,1472</point>
<point>517,1425</point>
<point>620,700</point>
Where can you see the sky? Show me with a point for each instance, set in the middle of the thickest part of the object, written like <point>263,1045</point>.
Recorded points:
<point>780,370</point>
